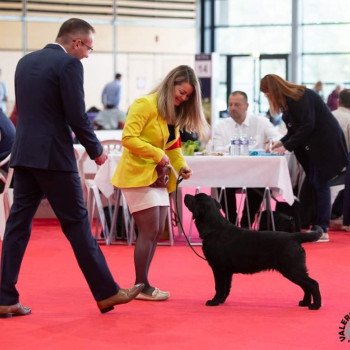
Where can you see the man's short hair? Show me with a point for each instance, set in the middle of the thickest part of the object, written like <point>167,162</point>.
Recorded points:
<point>344,98</point>
<point>74,26</point>
<point>242,93</point>
<point>118,76</point>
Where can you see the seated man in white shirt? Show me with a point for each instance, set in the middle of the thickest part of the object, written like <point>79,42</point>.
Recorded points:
<point>255,127</point>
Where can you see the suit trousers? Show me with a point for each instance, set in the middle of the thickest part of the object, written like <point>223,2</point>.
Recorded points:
<point>64,193</point>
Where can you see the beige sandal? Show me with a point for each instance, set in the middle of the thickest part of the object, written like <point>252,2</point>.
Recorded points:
<point>157,295</point>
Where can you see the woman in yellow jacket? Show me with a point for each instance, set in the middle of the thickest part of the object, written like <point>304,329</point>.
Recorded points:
<point>151,139</point>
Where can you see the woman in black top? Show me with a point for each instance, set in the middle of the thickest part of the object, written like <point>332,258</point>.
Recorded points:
<point>313,134</point>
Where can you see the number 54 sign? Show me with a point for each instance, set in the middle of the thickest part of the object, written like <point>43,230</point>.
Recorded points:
<point>203,66</point>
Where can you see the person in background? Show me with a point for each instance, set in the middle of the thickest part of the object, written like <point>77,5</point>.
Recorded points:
<point>151,142</point>
<point>111,93</point>
<point>255,128</point>
<point>333,98</point>
<point>7,138</point>
<point>44,165</point>
<point>314,135</point>
<point>276,121</point>
<point>318,88</point>
<point>342,114</point>
<point>3,95</point>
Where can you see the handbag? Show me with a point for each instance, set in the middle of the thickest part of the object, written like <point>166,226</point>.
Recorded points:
<point>163,176</point>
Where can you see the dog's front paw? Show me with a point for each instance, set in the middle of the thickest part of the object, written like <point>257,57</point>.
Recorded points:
<point>212,302</point>
<point>303,303</point>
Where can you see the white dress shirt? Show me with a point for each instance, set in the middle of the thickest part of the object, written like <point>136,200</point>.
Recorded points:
<point>342,114</point>
<point>257,127</point>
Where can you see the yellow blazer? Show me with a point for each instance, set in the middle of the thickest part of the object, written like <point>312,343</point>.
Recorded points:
<point>144,140</point>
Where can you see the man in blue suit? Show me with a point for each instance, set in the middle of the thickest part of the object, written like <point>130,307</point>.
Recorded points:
<point>50,101</point>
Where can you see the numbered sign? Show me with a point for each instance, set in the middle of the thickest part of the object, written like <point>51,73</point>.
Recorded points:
<point>203,66</point>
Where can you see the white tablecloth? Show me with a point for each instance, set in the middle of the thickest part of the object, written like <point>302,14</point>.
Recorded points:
<point>218,171</point>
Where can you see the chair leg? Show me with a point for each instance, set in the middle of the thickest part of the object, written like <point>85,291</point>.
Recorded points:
<point>266,204</point>
<point>198,189</point>
<point>247,206</point>
<point>101,214</point>
<point>245,196</point>
<point>128,222</point>
<point>219,197</point>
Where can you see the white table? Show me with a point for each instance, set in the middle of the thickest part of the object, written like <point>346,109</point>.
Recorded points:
<point>221,171</point>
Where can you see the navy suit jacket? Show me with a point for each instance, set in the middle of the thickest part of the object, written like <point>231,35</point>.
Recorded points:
<point>50,101</point>
<point>315,135</point>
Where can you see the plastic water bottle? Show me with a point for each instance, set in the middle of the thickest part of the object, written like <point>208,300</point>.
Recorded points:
<point>235,146</point>
<point>209,147</point>
<point>270,143</point>
<point>244,143</point>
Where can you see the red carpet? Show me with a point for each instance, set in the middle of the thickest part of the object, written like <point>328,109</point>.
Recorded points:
<point>260,313</point>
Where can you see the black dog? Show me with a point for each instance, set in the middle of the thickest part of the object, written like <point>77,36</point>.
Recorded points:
<point>229,249</point>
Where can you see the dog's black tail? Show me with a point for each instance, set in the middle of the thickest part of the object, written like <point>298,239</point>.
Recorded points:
<point>311,236</point>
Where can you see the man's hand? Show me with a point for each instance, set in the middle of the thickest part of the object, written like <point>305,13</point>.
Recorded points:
<point>101,158</point>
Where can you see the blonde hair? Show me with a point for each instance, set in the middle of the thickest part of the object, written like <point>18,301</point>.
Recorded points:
<point>277,89</point>
<point>189,115</point>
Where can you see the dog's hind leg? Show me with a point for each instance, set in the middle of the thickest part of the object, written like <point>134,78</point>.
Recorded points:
<point>220,276</point>
<point>308,285</point>
<point>316,295</point>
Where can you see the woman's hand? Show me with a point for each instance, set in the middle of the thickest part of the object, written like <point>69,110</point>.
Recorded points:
<point>277,147</point>
<point>185,172</point>
<point>164,161</point>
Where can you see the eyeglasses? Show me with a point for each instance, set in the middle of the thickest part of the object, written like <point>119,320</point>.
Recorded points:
<point>89,47</point>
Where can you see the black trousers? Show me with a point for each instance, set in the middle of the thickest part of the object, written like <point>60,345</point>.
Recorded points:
<point>255,197</point>
<point>64,193</point>
<point>337,207</point>
<point>346,203</point>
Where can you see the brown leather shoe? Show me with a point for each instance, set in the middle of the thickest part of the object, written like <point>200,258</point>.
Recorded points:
<point>122,297</point>
<point>14,310</point>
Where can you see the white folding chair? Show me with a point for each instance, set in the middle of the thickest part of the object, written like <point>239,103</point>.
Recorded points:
<point>93,201</point>
<point>93,198</point>
<point>112,146</point>
<point>126,219</point>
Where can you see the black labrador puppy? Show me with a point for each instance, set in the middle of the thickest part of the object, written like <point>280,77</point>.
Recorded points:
<point>229,249</point>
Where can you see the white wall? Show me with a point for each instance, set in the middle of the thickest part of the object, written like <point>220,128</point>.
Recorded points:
<point>145,55</point>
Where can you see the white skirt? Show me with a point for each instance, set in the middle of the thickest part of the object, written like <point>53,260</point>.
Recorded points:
<point>140,198</point>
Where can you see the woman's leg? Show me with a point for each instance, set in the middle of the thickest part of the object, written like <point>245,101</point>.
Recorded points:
<point>150,223</point>
<point>163,212</point>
